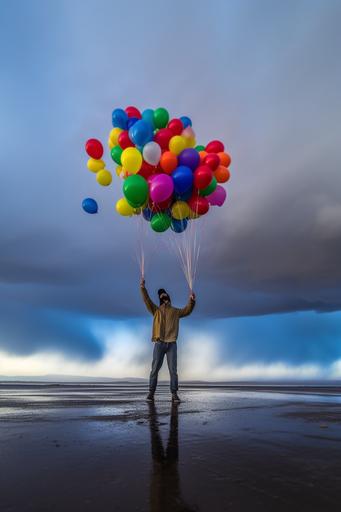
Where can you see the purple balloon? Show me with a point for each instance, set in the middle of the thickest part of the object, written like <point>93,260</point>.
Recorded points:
<point>190,158</point>
<point>217,198</point>
<point>161,188</point>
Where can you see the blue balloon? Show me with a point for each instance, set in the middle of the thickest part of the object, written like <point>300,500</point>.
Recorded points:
<point>185,196</point>
<point>131,121</point>
<point>148,115</point>
<point>179,225</point>
<point>147,214</point>
<point>182,178</point>
<point>189,157</point>
<point>186,121</point>
<point>89,205</point>
<point>141,132</point>
<point>119,119</point>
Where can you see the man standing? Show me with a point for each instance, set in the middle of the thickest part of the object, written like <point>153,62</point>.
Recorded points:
<point>164,336</point>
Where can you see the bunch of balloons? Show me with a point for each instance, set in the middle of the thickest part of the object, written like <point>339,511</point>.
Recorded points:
<point>166,177</point>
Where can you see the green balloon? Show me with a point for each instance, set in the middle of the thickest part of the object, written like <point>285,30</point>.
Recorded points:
<point>160,222</point>
<point>135,190</point>
<point>209,189</point>
<point>116,153</point>
<point>200,148</point>
<point>161,117</point>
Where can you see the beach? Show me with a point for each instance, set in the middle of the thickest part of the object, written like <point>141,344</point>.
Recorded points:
<point>224,448</point>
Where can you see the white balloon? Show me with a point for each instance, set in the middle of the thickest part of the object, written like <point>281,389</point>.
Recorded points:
<point>152,153</point>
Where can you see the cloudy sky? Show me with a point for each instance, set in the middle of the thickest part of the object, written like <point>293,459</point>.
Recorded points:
<point>262,76</point>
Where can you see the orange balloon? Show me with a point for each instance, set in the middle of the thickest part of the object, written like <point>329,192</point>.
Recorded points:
<point>168,162</point>
<point>222,174</point>
<point>225,159</point>
<point>202,155</point>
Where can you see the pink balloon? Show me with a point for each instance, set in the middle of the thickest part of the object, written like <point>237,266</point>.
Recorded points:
<point>161,188</point>
<point>217,198</point>
<point>188,132</point>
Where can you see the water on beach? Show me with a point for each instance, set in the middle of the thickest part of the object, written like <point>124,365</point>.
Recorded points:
<point>227,447</point>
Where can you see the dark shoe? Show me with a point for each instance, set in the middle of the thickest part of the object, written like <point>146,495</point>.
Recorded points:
<point>175,398</point>
<point>150,397</point>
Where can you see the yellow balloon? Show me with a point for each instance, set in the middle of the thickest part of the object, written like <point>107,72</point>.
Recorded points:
<point>190,142</point>
<point>131,160</point>
<point>124,208</point>
<point>119,170</point>
<point>104,177</point>
<point>110,143</point>
<point>177,144</point>
<point>180,210</point>
<point>114,135</point>
<point>95,165</point>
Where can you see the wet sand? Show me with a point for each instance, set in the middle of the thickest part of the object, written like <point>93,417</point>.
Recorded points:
<point>99,447</point>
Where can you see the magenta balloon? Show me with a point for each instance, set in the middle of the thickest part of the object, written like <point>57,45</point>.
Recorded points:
<point>217,198</point>
<point>150,178</point>
<point>161,188</point>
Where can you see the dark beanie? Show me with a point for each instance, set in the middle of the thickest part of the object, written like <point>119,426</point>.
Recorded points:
<point>160,291</point>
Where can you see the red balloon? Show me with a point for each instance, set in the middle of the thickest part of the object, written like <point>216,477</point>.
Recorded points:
<point>94,148</point>
<point>176,126</point>
<point>199,204</point>
<point>195,193</point>
<point>212,160</point>
<point>124,140</point>
<point>202,176</point>
<point>147,170</point>
<point>215,146</point>
<point>133,112</point>
<point>163,136</point>
<point>159,207</point>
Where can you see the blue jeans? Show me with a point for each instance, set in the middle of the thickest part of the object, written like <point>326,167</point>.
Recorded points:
<point>160,349</point>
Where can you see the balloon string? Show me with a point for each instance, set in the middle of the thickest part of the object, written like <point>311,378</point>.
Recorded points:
<point>186,246</point>
<point>140,250</point>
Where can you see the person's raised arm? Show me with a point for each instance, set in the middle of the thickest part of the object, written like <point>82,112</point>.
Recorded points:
<point>187,310</point>
<point>146,299</point>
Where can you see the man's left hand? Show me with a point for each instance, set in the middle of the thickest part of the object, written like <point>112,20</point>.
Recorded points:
<point>192,296</point>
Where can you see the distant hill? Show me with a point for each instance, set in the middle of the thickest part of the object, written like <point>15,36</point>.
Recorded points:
<point>60,378</point>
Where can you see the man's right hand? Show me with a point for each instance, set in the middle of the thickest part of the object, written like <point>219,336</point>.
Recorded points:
<point>142,282</point>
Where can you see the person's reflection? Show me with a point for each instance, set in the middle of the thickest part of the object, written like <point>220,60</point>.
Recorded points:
<point>165,493</point>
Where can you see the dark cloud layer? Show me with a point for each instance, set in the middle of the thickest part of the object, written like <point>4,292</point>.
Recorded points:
<point>26,330</point>
<point>296,339</point>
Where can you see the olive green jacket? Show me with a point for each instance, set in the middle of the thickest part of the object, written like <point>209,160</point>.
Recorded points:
<point>166,317</point>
